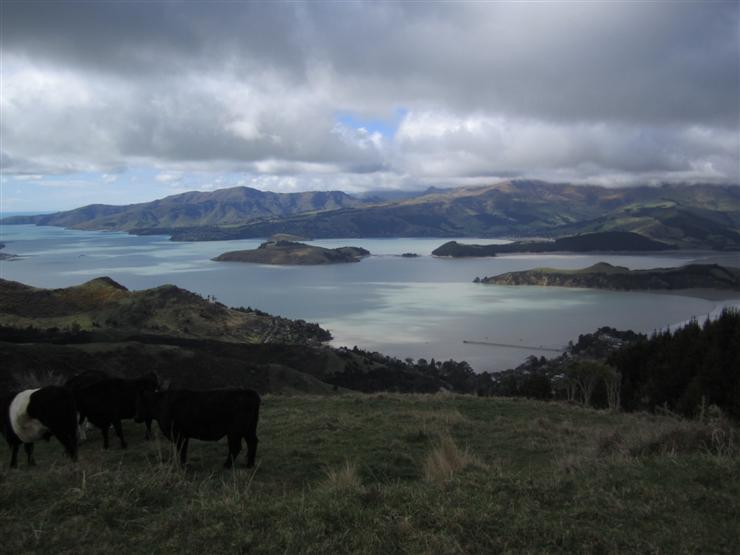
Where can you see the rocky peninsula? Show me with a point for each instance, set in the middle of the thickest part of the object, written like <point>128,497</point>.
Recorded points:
<point>607,276</point>
<point>285,253</point>
<point>606,241</point>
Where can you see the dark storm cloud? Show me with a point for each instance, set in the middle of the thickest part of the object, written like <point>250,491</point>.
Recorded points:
<point>578,89</point>
<point>638,61</point>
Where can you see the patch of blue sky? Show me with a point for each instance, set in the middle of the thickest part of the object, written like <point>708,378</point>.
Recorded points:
<point>385,126</point>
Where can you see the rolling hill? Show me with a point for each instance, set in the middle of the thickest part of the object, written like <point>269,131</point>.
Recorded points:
<point>107,308</point>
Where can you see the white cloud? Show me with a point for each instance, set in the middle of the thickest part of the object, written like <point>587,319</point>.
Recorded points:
<point>441,144</point>
<point>607,92</point>
<point>168,177</point>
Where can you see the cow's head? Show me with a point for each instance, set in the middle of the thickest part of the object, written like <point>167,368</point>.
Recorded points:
<point>148,382</point>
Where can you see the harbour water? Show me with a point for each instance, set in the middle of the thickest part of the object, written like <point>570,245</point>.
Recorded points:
<point>422,307</point>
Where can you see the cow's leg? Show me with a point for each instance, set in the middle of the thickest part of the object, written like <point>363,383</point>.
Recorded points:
<point>235,445</point>
<point>14,455</point>
<point>148,432</point>
<point>28,447</point>
<point>104,431</point>
<point>119,432</point>
<point>252,442</point>
<point>182,449</point>
<point>81,432</point>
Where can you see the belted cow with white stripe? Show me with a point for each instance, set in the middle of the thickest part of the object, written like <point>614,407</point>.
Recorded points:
<point>35,414</point>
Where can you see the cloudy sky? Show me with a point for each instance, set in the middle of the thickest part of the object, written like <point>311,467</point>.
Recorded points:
<point>123,102</point>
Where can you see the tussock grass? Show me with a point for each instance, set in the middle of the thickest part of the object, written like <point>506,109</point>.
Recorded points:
<point>672,435</point>
<point>444,417</point>
<point>359,474</point>
<point>344,478</point>
<point>446,459</point>
<point>564,427</point>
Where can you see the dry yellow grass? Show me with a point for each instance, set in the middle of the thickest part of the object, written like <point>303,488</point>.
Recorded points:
<point>344,478</point>
<point>446,459</point>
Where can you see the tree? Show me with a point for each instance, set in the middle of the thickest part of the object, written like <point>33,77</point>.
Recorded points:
<point>586,374</point>
<point>613,383</point>
<point>563,382</point>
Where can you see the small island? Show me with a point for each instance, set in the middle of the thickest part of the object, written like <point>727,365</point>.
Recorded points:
<point>607,241</point>
<point>619,278</point>
<point>409,255</point>
<point>286,253</point>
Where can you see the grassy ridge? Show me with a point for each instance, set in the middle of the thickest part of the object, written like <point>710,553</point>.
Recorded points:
<point>109,310</point>
<point>392,473</point>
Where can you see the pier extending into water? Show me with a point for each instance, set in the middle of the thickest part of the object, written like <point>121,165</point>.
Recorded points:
<point>512,346</point>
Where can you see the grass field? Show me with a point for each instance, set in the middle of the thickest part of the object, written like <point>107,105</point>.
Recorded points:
<point>393,474</point>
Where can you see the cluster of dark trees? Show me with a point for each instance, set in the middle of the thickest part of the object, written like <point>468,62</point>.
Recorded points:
<point>370,372</point>
<point>580,374</point>
<point>559,377</point>
<point>54,335</point>
<point>683,370</point>
<point>300,327</point>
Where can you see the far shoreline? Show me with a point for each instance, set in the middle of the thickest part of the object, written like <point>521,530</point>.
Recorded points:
<point>705,294</point>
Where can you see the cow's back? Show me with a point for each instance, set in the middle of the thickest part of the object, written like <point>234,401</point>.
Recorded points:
<point>208,415</point>
<point>86,378</point>
<point>104,397</point>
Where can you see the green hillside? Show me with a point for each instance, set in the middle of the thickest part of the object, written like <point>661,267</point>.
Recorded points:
<point>394,474</point>
<point>705,217</point>
<point>106,308</point>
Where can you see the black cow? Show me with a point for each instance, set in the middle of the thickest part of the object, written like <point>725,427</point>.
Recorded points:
<point>34,414</point>
<point>206,415</point>
<point>107,401</point>
<point>79,381</point>
<point>86,378</point>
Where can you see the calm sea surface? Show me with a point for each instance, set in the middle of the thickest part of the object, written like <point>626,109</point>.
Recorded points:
<point>405,307</point>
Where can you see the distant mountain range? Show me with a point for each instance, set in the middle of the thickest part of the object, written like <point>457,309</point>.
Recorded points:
<point>683,216</point>
<point>223,207</point>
